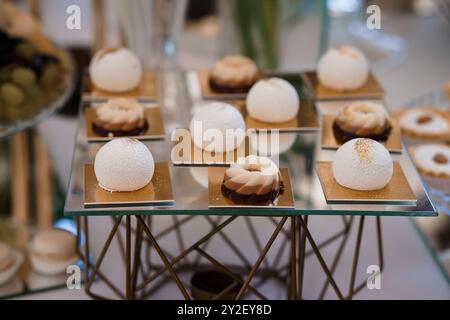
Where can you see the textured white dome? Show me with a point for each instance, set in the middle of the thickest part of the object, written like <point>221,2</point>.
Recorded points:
<point>213,122</point>
<point>124,165</point>
<point>363,164</point>
<point>343,68</point>
<point>115,70</point>
<point>273,100</point>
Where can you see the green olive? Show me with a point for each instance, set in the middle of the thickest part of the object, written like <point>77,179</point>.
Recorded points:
<point>11,94</point>
<point>24,77</point>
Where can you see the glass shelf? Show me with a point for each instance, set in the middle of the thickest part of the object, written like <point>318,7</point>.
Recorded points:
<point>179,93</point>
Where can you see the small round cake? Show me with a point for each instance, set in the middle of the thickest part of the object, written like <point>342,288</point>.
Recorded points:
<point>218,127</point>
<point>119,117</point>
<point>343,69</point>
<point>233,74</point>
<point>252,180</point>
<point>115,70</point>
<point>363,164</point>
<point>124,164</point>
<point>432,160</point>
<point>51,251</point>
<point>273,100</point>
<point>10,261</point>
<point>425,123</point>
<point>362,119</point>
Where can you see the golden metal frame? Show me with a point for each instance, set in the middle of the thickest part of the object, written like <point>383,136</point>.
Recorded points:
<point>144,277</point>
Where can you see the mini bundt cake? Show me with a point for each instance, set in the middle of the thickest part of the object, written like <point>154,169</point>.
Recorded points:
<point>120,117</point>
<point>252,180</point>
<point>233,74</point>
<point>362,119</point>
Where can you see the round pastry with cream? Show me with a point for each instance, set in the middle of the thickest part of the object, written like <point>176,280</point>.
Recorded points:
<point>252,180</point>
<point>217,127</point>
<point>343,68</point>
<point>123,164</point>
<point>432,160</point>
<point>233,74</point>
<point>51,251</point>
<point>425,123</point>
<point>363,164</point>
<point>273,100</point>
<point>119,117</point>
<point>115,70</point>
<point>362,119</point>
<point>10,262</point>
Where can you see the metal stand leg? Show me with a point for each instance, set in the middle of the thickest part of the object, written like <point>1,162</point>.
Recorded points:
<point>298,233</point>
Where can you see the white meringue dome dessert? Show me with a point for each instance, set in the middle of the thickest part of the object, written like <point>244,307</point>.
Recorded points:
<point>115,70</point>
<point>218,127</point>
<point>363,164</point>
<point>124,165</point>
<point>343,69</point>
<point>273,100</point>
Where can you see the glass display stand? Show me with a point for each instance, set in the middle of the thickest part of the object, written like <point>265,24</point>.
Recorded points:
<point>178,94</point>
<point>30,165</point>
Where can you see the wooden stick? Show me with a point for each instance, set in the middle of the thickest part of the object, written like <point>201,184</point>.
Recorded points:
<point>99,23</point>
<point>19,160</point>
<point>43,183</point>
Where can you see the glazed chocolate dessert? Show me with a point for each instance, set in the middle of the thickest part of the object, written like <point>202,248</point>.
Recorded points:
<point>120,133</point>
<point>233,74</point>
<point>252,180</point>
<point>120,117</point>
<point>343,136</point>
<point>362,120</point>
<point>258,199</point>
<point>225,88</point>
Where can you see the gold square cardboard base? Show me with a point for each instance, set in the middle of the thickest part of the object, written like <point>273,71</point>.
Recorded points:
<point>209,94</point>
<point>199,157</point>
<point>157,193</point>
<point>218,200</point>
<point>393,144</point>
<point>305,121</point>
<point>398,191</point>
<point>152,114</point>
<point>371,89</point>
<point>147,90</point>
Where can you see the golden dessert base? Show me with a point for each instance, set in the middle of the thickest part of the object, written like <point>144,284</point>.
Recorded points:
<point>152,114</point>
<point>218,200</point>
<point>147,90</point>
<point>371,89</point>
<point>393,143</point>
<point>157,193</point>
<point>398,190</point>
<point>305,121</point>
<point>199,157</point>
<point>145,274</point>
